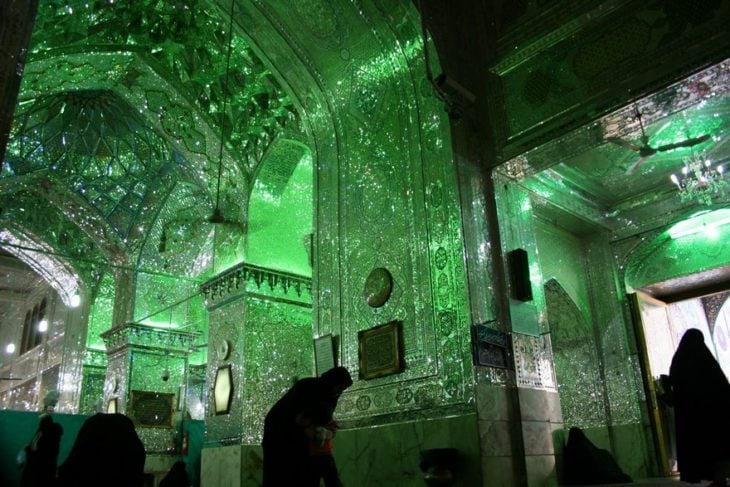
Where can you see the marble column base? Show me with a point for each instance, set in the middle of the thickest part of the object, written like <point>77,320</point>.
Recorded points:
<point>159,465</point>
<point>231,466</point>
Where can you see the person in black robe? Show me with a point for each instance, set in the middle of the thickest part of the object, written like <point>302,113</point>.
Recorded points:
<point>285,441</point>
<point>586,464</point>
<point>41,454</point>
<point>700,394</point>
<point>107,452</point>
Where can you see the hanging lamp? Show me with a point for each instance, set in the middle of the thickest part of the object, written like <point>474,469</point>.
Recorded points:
<point>217,216</point>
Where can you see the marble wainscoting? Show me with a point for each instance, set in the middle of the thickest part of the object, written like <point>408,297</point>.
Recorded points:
<point>542,434</point>
<point>159,465</point>
<point>502,461</point>
<point>378,455</point>
<point>631,451</point>
<point>521,436</point>
<point>390,454</point>
<point>231,466</point>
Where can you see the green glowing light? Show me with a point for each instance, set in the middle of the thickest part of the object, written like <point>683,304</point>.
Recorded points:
<point>159,324</point>
<point>679,129</point>
<point>706,222</point>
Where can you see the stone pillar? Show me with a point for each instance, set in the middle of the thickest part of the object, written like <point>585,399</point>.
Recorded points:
<point>125,284</point>
<point>74,341</point>
<point>145,379</point>
<point>260,331</point>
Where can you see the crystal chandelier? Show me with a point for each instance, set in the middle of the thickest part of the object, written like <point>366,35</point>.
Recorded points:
<point>699,180</point>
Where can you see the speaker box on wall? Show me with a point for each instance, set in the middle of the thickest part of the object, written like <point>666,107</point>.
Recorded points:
<point>519,275</point>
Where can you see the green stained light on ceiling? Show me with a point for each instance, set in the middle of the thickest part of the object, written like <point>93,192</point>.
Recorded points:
<point>540,188</point>
<point>679,128</point>
<point>708,223</point>
<point>280,213</point>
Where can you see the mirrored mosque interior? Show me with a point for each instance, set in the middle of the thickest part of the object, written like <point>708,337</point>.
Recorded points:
<point>500,218</point>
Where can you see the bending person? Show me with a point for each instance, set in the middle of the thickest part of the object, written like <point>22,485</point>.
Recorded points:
<point>285,442</point>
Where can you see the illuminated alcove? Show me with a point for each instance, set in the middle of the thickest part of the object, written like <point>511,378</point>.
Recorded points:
<point>689,261</point>
<point>691,257</point>
<point>280,216</point>
<point>682,277</point>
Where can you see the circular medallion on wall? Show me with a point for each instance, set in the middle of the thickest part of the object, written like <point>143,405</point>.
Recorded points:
<point>112,385</point>
<point>223,349</point>
<point>378,286</point>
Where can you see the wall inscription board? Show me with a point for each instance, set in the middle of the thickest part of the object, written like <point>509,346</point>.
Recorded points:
<point>380,350</point>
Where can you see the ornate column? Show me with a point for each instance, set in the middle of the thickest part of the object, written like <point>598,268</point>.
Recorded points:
<point>145,380</point>
<point>125,284</point>
<point>260,341</point>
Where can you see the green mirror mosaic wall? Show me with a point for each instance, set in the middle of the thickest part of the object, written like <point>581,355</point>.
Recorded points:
<point>335,160</point>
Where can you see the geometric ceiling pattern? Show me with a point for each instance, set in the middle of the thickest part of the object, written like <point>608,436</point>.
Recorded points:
<point>98,145</point>
<point>125,130</point>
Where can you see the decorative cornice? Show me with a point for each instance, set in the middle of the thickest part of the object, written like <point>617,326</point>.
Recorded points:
<point>136,335</point>
<point>246,278</point>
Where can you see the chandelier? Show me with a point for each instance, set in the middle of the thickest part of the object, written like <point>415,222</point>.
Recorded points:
<point>699,180</point>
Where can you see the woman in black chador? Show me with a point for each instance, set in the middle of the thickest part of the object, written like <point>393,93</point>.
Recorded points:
<point>107,452</point>
<point>701,399</point>
<point>42,453</point>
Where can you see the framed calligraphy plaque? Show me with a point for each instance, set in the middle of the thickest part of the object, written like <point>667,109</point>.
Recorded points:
<point>380,351</point>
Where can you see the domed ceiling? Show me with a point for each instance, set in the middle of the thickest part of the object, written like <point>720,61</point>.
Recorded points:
<point>118,130</point>
<point>97,144</point>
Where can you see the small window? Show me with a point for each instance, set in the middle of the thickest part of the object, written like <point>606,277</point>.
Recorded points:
<point>37,332</point>
<point>32,335</point>
<point>26,333</point>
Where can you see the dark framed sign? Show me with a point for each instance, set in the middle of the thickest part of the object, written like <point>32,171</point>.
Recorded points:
<point>223,390</point>
<point>491,347</point>
<point>152,409</point>
<point>380,351</point>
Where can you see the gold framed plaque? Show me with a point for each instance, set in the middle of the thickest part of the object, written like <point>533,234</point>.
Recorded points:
<point>380,351</point>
